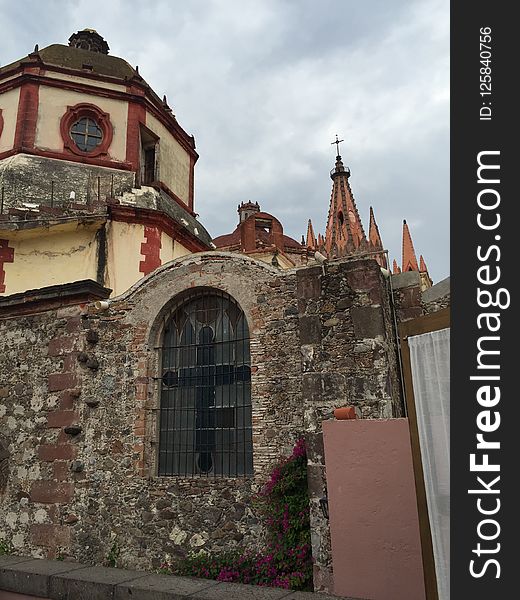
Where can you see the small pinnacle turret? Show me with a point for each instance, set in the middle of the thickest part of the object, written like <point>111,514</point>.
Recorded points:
<point>311,241</point>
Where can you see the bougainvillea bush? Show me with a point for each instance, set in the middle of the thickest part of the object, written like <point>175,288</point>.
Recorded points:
<point>286,560</point>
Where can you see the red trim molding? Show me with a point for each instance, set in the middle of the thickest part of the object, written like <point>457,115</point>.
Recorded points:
<point>27,117</point>
<point>1,122</point>
<point>136,117</point>
<point>152,218</point>
<point>6,256</point>
<point>77,112</point>
<point>151,250</point>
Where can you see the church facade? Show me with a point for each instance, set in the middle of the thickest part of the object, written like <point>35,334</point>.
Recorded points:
<point>150,377</point>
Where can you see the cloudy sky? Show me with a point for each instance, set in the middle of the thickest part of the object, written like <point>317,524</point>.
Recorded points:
<point>264,86</point>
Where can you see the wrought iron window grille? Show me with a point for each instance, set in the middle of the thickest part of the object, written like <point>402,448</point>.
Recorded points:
<point>205,421</point>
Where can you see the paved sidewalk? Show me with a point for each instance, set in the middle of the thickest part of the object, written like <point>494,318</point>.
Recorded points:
<point>60,580</point>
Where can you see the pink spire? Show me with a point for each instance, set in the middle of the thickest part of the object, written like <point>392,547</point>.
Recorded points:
<point>409,258</point>
<point>311,238</point>
<point>344,234</point>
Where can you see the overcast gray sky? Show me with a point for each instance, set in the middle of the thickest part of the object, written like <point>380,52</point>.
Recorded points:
<point>264,86</point>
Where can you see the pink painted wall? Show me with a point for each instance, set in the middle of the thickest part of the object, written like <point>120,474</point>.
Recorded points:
<point>376,549</point>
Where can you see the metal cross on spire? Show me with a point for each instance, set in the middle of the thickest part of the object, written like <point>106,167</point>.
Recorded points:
<point>337,142</point>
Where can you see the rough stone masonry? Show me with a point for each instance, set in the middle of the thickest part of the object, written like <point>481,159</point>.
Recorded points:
<point>79,405</point>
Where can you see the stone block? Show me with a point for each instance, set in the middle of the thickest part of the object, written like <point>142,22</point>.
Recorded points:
<point>310,330</point>
<point>368,322</point>
<point>410,297</point>
<point>308,283</point>
<point>61,381</point>
<point>162,587</point>
<point>61,418</point>
<point>364,278</point>
<point>237,591</point>
<point>317,387</point>
<point>11,559</point>
<point>60,346</point>
<point>90,583</point>
<point>406,314</point>
<point>46,534</point>
<point>316,481</point>
<point>32,576</point>
<point>50,452</point>
<point>60,470</point>
<point>406,279</point>
<point>314,445</point>
<point>50,492</point>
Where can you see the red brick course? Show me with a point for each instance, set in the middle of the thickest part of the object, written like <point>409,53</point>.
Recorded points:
<point>62,418</point>
<point>51,492</point>
<point>50,452</point>
<point>43,534</point>
<point>61,381</point>
<point>60,345</point>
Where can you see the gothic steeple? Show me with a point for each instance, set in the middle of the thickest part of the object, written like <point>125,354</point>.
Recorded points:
<point>345,234</point>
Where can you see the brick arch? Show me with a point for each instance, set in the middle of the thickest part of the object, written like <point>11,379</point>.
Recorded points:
<point>246,280</point>
<point>157,326</point>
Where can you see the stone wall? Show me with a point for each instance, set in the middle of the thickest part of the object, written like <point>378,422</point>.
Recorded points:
<point>437,297</point>
<point>34,179</point>
<point>411,302</point>
<point>349,357</point>
<point>79,400</point>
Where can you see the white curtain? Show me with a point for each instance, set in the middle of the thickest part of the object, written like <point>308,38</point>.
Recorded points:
<point>430,361</point>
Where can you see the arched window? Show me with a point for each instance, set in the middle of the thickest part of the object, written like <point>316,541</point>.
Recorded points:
<point>205,412</point>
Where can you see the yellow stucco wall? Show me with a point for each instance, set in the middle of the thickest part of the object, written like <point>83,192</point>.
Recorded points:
<point>53,105</point>
<point>60,254</point>
<point>67,253</point>
<point>174,161</point>
<point>179,250</point>
<point>167,248</point>
<point>171,249</point>
<point>9,106</point>
<point>124,255</point>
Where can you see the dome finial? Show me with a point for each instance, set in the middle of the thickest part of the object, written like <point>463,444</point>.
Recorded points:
<point>89,39</point>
